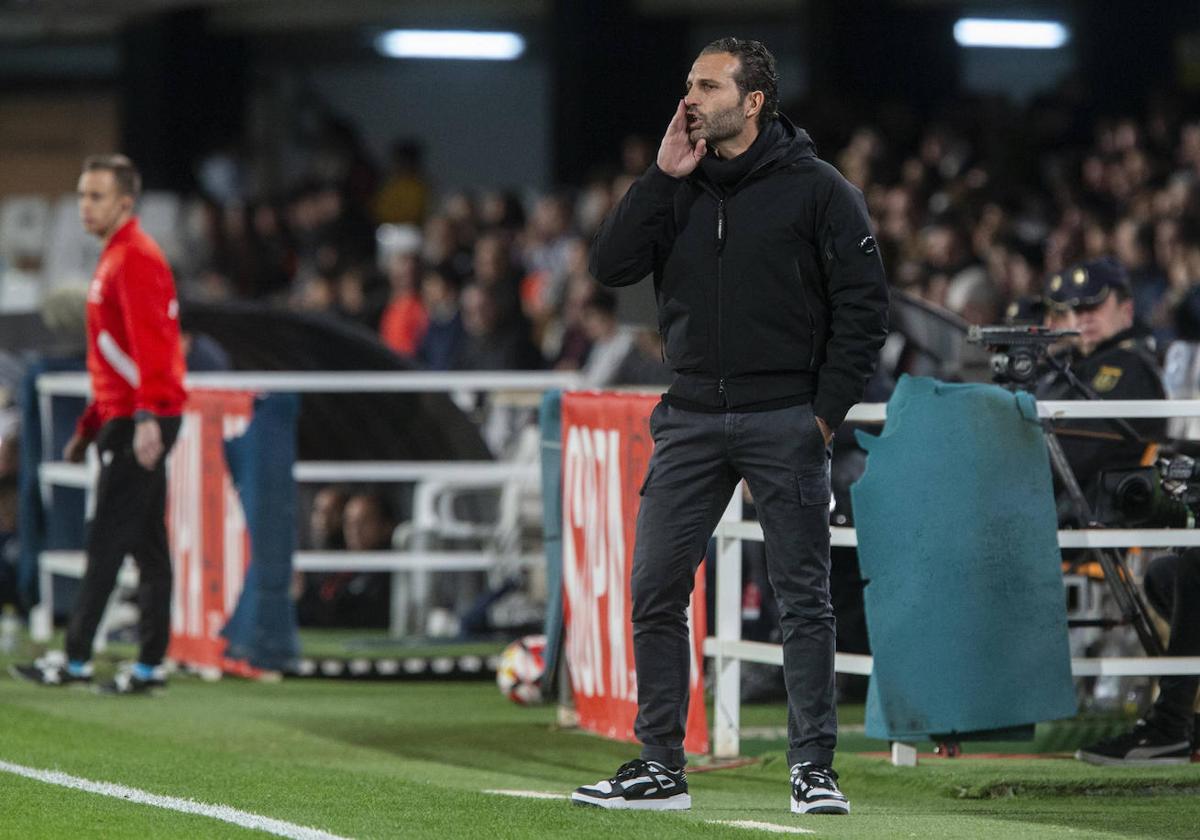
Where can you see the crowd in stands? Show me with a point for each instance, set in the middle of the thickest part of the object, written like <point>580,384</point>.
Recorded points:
<point>972,211</point>
<point>975,211</point>
<point>973,207</point>
<point>486,281</point>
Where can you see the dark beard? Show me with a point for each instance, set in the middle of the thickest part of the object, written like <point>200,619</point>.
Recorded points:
<point>723,125</point>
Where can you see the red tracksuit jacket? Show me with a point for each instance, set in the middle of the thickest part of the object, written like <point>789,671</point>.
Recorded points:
<point>134,354</point>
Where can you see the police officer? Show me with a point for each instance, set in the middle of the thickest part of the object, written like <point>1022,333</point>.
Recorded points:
<point>1115,359</point>
<point>1112,357</point>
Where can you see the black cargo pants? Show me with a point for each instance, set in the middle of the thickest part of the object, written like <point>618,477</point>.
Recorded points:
<point>697,462</point>
<point>130,518</point>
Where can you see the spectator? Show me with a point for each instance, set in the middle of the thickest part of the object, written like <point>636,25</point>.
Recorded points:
<point>492,269</point>
<point>501,211</point>
<point>367,522</point>
<point>325,519</point>
<point>324,534</point>
<point>543,302</point>
<point>444,334</point>
<point>358,296</point>
<point>274,262</point>
<point>565,339</point>
<point>611,343</point>
<point>404,196</point>
<point>355,599</point>
<point>442,247</point>
<point>547,242</point>
<point>492,343</point>
<point>404,319</point>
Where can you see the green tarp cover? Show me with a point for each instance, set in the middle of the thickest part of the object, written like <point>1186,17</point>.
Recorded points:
<point>957,537</point>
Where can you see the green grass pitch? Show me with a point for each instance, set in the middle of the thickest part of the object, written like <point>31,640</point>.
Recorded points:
<point>414,760</point>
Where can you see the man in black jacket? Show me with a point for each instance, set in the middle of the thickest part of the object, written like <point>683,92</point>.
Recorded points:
<point>772,304</point>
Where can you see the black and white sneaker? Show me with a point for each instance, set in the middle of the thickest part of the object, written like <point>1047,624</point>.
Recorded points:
<point>1144,746</point>
<point>638,785</point>
<point>815,790</point>
<point>50,673</point>
<point>127,682</point>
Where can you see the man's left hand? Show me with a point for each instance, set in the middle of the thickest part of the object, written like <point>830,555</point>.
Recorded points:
<point>147,443</point>
<point>826,432</point>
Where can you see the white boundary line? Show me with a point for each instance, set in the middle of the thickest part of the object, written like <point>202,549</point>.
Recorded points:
<point>528,794</point>
<point>755,825</point>
<point>751,825</point>
<point>245,819</point>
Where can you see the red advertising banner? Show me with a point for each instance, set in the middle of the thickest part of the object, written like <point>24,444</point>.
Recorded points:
<point>606,448</point>
<point>210,545</point>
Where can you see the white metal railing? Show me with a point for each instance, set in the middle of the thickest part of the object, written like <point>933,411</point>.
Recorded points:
<point>415,564</point>
<point>726,647</point>
<point>729,651</point>
<point>341,382</point>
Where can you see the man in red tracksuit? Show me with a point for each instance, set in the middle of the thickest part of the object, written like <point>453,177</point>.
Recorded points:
<point>136,365</point>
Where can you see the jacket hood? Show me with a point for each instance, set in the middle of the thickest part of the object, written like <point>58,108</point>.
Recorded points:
<point>793,145</point>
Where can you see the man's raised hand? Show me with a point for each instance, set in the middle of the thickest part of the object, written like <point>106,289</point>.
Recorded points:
<point>677,156</point>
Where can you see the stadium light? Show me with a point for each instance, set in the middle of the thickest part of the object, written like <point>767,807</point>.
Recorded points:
<point>430,43</point>
<point>1014,34</point>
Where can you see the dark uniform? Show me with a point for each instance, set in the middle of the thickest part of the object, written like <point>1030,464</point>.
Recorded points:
<point>1122,367</point>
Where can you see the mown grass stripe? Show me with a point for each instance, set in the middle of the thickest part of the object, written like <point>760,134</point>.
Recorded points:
<point>245,819</point>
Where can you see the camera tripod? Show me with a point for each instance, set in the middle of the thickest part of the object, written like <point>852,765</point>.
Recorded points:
<point>1116,573</point>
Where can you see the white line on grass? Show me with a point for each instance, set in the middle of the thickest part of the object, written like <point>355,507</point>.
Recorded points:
<point>187,806</point>
<point>755,825</point>
<point>528,794</point>
<point>752,825</point>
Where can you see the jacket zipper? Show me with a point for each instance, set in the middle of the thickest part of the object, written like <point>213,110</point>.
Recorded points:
<point>812,338</point>
<point>720,252</point>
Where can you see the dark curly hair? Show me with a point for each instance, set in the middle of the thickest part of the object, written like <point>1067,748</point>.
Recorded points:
<point>756,71</point>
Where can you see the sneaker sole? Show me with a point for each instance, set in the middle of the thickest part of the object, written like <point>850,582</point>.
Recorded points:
<point>25,678</point>
<point>1109,761</point>
<point>821,806</point>
<point>678,802</point>
<point>105,691</point>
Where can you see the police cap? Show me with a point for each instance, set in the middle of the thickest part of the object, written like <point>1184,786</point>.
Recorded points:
<point>1087,284</point>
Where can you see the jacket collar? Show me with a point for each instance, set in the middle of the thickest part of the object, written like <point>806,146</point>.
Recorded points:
<point>779,144</point>
<point>1116,340</point>
<point>124,233</point>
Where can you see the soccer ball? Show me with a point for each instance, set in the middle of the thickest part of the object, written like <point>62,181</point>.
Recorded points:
<point>522,665</point>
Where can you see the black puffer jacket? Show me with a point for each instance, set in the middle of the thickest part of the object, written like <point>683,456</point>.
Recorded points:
<point>769,289</point>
